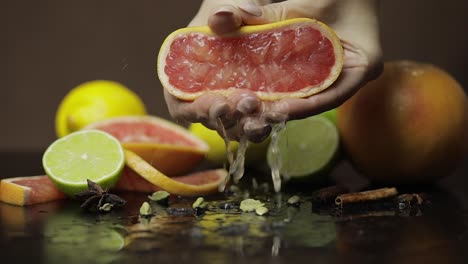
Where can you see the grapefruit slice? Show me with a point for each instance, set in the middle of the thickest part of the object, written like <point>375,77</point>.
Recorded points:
<point>196,184</point>
<point>29,190</point>
<point>133,182</point>
<point>292,58</point>
<point>167,146</point>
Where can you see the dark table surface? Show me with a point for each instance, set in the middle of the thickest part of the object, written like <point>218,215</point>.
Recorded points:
<point>60,232</point>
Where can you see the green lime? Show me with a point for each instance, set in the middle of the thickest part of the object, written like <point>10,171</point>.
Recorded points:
<point>306,147</point>
<point>88,154</point>
<point>330,114</point>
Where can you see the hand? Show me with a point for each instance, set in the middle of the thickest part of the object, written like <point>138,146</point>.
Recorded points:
<point>355,22</point>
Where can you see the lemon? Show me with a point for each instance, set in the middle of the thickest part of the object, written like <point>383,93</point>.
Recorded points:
<point>87,154</point>
<point>93,101</point>
<point>255,154</point>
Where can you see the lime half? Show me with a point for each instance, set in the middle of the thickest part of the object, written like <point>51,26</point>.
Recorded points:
<point>306,147</point>
<point>82,155</point>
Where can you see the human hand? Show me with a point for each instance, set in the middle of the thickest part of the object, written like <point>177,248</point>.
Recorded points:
<point>355,22</point>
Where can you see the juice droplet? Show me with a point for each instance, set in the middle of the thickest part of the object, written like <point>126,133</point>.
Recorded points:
<point>229,153</point>
<point>276,162</point>
<point>238,166</point>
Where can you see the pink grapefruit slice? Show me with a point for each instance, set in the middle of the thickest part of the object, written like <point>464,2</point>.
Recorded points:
<point>131,181</point>
<point>192,185</point>
<point>29,190</point>
<point>292,58</point>
<point>167,146</point>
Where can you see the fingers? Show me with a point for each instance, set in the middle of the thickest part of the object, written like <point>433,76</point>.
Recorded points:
<point>214,110</point>
<point>256,129</point>
<point>205,109</point>
<point>229,17</point>
<point>226,19</point>
<point>297,108</point>
<point>253,128</point>
<point>242,103</point>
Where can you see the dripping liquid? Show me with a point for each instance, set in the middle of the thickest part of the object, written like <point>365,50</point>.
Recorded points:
<point>237,160</point>
<point>276,156</point>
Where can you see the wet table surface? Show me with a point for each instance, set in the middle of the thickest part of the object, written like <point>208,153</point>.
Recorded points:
<point>382,232</point>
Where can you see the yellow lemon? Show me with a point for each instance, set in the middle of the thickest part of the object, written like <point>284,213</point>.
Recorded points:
<point>93,101</point>
<point>255,154</point>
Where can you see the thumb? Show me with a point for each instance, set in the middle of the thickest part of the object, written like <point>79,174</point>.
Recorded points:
<point>253,14</point>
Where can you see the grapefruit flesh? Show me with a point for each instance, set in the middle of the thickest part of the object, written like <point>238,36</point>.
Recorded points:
<point>292,58</point>
<point>167,146</point>
<point>29,190</point>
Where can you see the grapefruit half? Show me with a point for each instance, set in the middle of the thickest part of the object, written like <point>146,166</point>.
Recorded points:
<point>167,146</point>
<point>292,58</point>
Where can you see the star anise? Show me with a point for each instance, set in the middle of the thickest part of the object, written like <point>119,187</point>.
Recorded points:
<point>97,197</point>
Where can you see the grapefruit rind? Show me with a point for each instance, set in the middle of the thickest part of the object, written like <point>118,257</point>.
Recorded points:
<point>249,29</point>
<point>130,181</point>
<point>12,192</point>
<point>154,176</point>
<point>171,159</point>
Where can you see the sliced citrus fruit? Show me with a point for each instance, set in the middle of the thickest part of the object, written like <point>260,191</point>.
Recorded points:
<point>292,58</point>
<point>133,182</point>
<point>87,154</point>
<point>306,148</point>
<point>29,190</point>
<point>95,100</point>
<point>189,186</point>
<point>167,146</point>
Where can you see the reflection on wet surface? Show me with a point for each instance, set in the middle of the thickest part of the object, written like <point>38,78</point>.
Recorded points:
<point>62,233</point>
<point>307,232</point>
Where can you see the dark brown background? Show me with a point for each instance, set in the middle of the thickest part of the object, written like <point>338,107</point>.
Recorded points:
<point>51,46</point>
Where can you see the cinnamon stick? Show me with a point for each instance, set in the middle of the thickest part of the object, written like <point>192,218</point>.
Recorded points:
<point>365,196</point>
<point>328,194</point>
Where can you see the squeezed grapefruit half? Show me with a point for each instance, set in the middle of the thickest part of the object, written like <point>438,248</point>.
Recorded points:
<point>292,58</point>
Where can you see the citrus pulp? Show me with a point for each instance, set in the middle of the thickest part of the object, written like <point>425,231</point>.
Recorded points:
<point>87,154</point>
<point>291,58</point>
<point>170,148</point>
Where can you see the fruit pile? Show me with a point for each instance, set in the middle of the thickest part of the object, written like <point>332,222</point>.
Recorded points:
<point>408,126</point>
<point>115,145</point>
